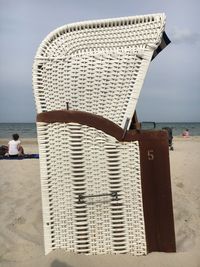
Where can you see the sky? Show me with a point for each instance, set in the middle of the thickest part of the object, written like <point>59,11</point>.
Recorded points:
<point>171,91</point>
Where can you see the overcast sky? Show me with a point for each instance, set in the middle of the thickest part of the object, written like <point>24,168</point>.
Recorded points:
<point>171,91</point>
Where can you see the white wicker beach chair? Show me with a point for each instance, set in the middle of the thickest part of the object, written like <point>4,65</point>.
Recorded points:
<point>97,66</point>
<point>101,190</point>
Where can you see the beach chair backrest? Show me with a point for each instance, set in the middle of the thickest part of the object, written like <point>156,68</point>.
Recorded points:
<point>97,66</point>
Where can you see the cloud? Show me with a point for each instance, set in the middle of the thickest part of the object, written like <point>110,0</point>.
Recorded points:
<point>185,36</point>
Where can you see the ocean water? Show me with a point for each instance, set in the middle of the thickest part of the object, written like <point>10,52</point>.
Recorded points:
<point>28,130</point>
<point>179,127</point>
<point>25,130</point>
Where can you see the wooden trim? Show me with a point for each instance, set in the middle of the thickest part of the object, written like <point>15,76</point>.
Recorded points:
<point>157,195</point>
<point>135,124</point>
<point>100,123</point>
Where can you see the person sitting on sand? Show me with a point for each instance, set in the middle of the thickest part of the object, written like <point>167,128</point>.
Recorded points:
<point>186,133</point>
<point>14,147</point>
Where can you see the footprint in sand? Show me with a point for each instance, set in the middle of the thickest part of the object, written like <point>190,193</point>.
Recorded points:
<point>180,185</point>
<point>17,228</point>
<point>18,220</point>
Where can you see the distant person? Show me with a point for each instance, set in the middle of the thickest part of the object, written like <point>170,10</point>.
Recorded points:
<point>186,133</point>
<point>14,147</point>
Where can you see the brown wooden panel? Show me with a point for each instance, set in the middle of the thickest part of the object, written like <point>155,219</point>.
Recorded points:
<point>157,196</point>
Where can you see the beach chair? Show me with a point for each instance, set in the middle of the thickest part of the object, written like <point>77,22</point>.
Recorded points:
<point>102,190</point>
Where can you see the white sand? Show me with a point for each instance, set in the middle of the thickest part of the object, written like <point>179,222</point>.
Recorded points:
<point>21,234</point>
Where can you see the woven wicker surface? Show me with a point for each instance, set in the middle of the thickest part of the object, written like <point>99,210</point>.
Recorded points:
<point>96,66</point>
<point>77,159</point>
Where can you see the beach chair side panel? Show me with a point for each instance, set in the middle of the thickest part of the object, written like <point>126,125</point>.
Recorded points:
<point>157,193</point>
<point>91,190</point>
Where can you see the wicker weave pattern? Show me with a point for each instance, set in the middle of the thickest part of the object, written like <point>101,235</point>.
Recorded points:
<point>77,159</point>
<point>103,35</point>
<point>97,66</point>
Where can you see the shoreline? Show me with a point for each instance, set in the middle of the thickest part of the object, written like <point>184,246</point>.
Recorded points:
<point>34,141</point>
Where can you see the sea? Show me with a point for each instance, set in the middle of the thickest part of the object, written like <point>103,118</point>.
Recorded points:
<point>28,130</point>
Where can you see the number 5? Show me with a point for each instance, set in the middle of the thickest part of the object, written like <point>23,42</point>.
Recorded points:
<point>150,154</point>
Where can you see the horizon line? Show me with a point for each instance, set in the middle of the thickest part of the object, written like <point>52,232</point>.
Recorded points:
<point>142,121</point>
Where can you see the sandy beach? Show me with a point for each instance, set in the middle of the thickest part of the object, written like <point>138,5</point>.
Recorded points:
<point>21,233</point>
